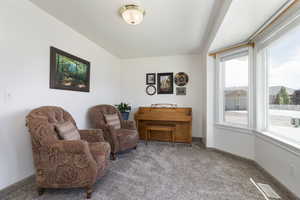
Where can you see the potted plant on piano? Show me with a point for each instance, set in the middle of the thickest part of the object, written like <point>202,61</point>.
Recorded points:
<point>124,109</point>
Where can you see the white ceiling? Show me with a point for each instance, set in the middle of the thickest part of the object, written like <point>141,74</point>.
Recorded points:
<point>243,18</point>
<point>170,27</point>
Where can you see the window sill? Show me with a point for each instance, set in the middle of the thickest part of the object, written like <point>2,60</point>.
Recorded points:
<point>235,128</point>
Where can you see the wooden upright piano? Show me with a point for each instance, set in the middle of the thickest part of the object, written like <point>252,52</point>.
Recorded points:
<point>180,118</point>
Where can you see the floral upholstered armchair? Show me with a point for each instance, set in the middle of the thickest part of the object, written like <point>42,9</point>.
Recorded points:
<point>65,163</point>
<point>120,139</point>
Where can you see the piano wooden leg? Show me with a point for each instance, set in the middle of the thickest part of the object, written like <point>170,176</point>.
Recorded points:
<point>173,137</point>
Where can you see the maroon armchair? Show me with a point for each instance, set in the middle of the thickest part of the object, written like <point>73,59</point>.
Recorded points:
<point>62,163</point>
<point>120,139</point>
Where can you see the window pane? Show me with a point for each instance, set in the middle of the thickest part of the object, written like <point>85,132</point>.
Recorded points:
<point>284,86</point>
<point>236,91</point>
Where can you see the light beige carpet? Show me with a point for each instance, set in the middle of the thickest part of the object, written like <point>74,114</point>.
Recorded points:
<point>162,172</point>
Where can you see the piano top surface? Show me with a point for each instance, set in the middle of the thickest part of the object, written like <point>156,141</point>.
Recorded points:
<point>164,114</point>
<point>164,108</point>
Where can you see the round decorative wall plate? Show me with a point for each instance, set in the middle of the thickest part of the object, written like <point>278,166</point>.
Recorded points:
<point>150,90</point>
<point>181,79</point>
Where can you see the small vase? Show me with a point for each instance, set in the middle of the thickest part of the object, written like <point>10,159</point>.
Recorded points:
<point>125,115</point>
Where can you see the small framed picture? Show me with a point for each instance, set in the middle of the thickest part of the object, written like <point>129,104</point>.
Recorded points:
<point>150,79</point>
<point>151,90</point>
<point>181,91</point>
<point>181,79</point>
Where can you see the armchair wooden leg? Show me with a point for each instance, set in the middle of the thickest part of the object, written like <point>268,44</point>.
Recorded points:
<point>40,191</point>
<point>89,192</point>
<point>113,156</point>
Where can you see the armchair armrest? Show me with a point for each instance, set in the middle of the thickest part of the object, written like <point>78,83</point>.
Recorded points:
<point>128,124</point>
<point>92,135</point>
<point>71,147</point>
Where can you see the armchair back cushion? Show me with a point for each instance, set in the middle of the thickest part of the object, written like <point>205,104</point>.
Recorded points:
<point>113,120</point>
<point>67,131</point>
<point>41,123</point>
<point>97,113</point>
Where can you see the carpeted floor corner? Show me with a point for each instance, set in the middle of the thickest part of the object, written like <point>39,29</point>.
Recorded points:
<point>160,171</point>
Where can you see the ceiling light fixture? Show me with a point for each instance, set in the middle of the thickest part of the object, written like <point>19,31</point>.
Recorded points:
<point>132,14</point>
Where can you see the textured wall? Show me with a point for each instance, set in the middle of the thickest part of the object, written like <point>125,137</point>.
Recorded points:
<point>133,81</point>
<point>26,33</point>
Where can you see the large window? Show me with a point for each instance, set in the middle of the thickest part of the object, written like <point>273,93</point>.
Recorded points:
<point>259,87</point>
<point>234,79</point>
<point>284,86</point>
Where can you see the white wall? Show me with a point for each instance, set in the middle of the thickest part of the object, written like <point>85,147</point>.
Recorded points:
<point>209,101</point>
<point>133,85</point>
<point>26,33</point>
<point>280,161</point>
<point>238,142</point>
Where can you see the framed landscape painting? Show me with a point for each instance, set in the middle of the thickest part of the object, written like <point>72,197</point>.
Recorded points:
<point>165,83</point>
<point>68,72</point>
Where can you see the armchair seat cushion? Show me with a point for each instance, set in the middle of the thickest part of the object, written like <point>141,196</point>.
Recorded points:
<point>128,138</point>
<point>100,152</point>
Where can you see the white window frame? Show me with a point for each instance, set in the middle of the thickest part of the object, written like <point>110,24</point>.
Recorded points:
<point>262,67</point>
<point>262,90</point>
<point>266,65</point>
<point>220,82</point>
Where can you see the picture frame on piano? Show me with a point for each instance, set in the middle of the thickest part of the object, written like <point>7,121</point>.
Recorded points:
<point>165,83</point>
